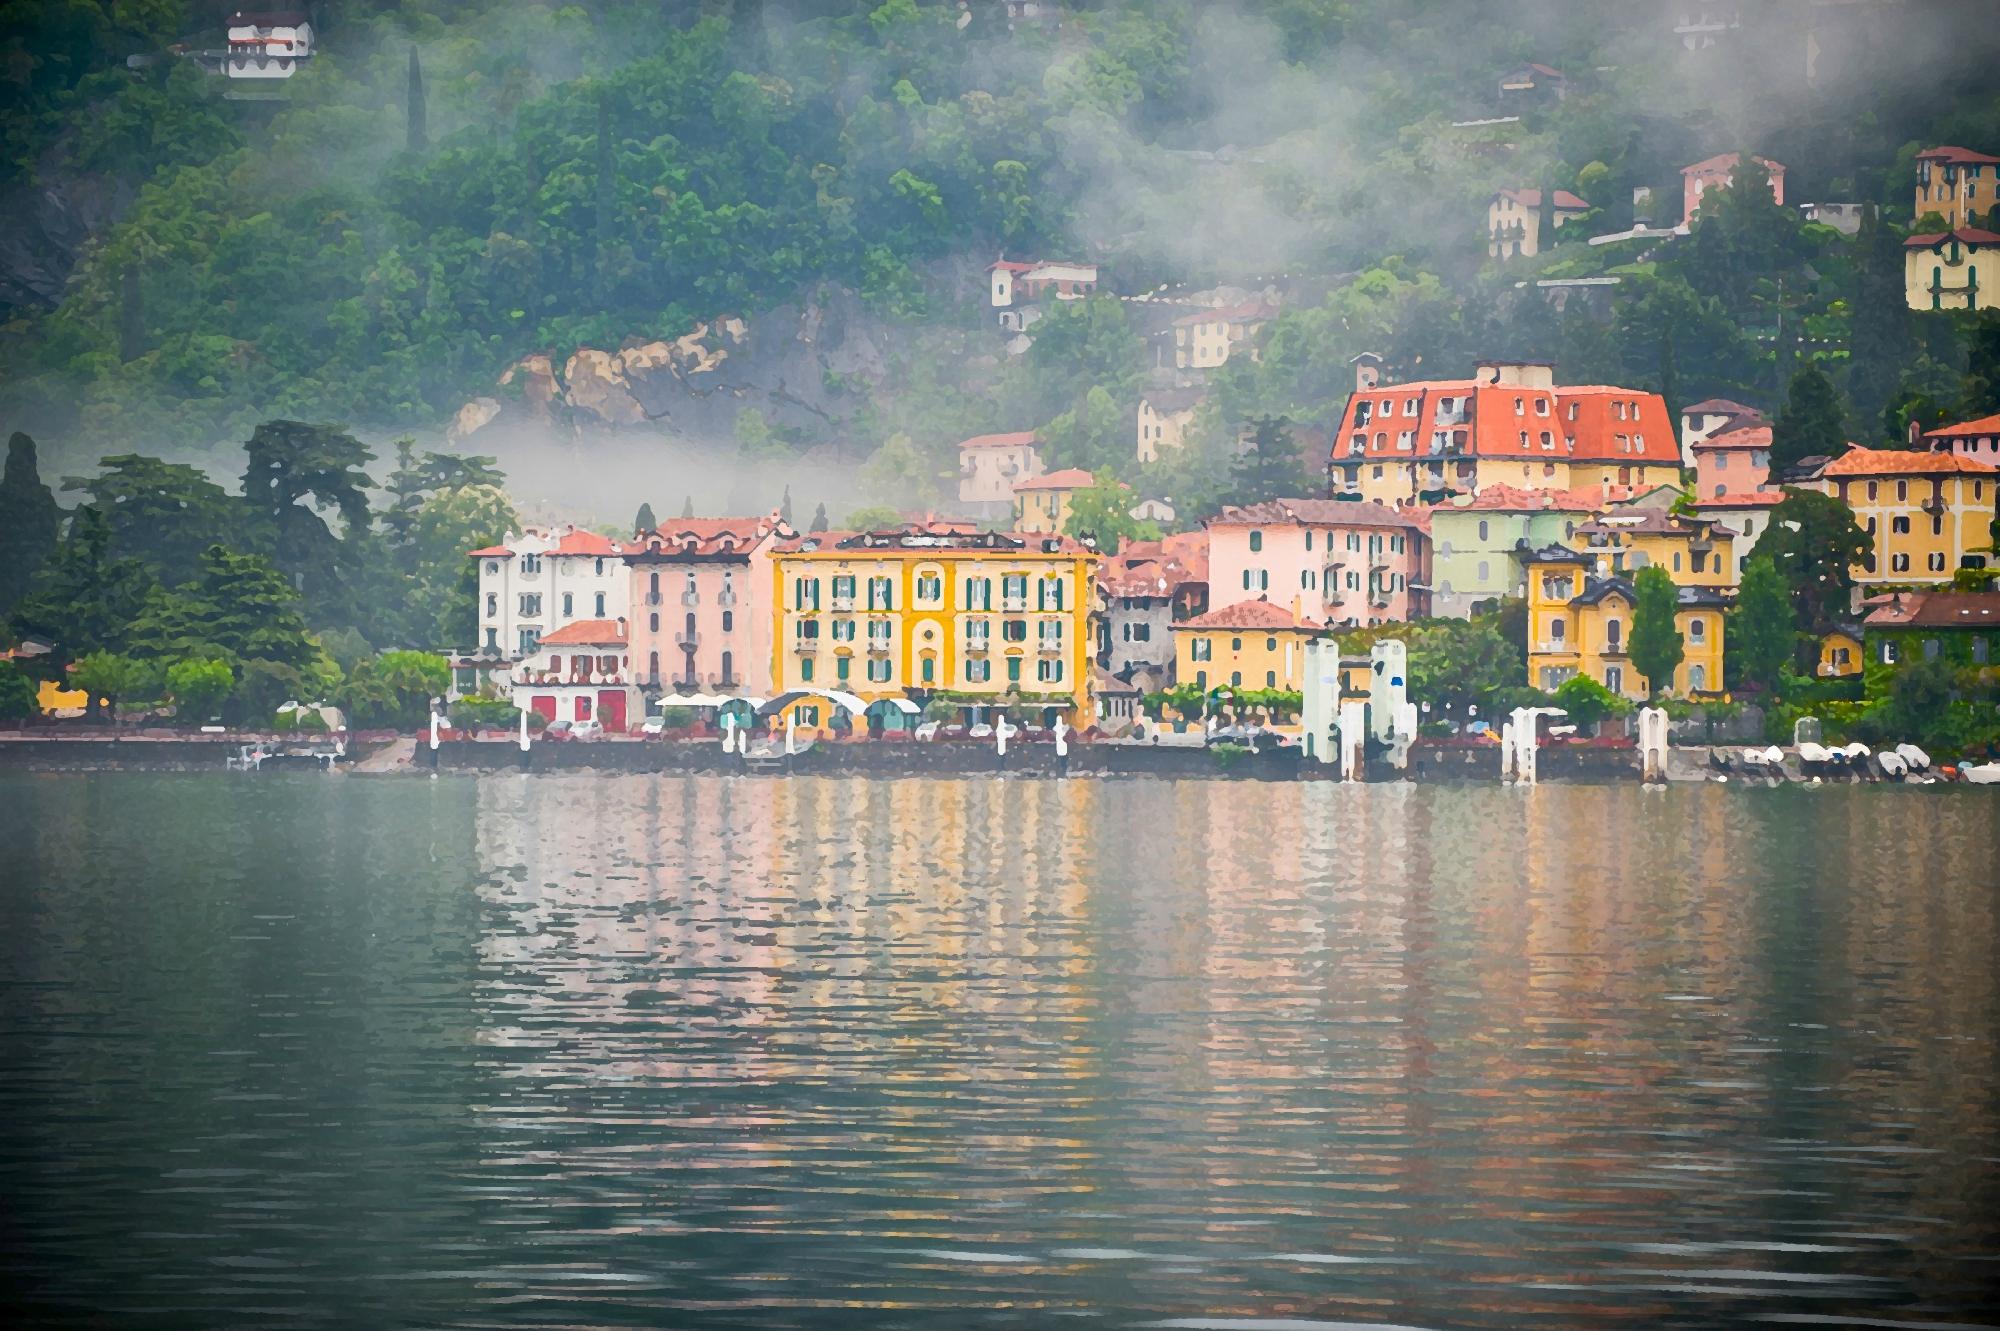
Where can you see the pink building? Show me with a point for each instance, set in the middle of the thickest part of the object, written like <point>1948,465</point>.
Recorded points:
<point>1734,462</point>
<point>1978,440</point>
<point>1342,562</point>
<point>701,618</point>
<point>1713,173</point>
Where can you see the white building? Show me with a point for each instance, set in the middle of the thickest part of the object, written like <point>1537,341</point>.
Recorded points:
<point>267,45</point>
<point>1713,416</point>
<point>581,672</point>
<point>535,583</point>
<point>991,465</point>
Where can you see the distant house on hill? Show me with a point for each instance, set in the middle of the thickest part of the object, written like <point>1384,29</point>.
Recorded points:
<point>1205,339</point>
<point>267,44</point>
<point>1714,172</point>
<point>1532,82</point>
<point>1952,270</point>
<point>1164,415</point>
<point>1958,184</point>
<point>1713,416</point>
<point>1514,220</point>
<point>991,465</point>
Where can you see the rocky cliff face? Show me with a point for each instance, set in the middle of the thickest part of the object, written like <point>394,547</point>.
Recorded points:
<point>50,215</point>
<point>800,365</point>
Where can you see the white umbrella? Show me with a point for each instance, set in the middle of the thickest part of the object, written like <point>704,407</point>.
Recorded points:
<point>1914,756</point>
<point>1856,750</point>
<point>1810,752</point>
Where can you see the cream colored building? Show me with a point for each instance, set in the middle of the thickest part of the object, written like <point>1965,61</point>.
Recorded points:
<point>1164,416</point>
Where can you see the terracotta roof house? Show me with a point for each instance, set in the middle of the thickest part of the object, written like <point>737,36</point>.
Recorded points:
<point>1714,173</point>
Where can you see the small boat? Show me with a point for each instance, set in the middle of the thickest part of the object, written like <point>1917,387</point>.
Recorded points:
<point>1981,774</point>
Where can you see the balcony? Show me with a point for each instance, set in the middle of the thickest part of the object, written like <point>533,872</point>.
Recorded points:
<point>690,597</point>
<point>879,646</point>
<point>805,646</point>
<point>1554,647</point>
<point>654,598</point>
<point>726,598</point>
<point>687,641</point>
<point>1014,603</point>
<point>1050,647</point>
<point>978,646</point>
<point>1934,505</point>
<point>844,603</point>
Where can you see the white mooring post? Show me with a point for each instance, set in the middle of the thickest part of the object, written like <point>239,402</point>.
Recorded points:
<point>1653,744</point>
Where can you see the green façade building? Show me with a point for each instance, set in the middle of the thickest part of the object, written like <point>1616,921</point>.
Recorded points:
<point>1960,628</point>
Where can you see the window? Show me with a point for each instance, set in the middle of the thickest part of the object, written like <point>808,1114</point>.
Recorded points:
<point>728,620</point>
<point>1256,541</point>
<point>1236,679</point>
<point>1013,670</point>
<point>929,666</point>
<point>1697,678</point>
<point>493,565</point>
<point>930,588</point>
<point>805,593</point>
<point>1548,442</point>
<point>1899,563</point>
<point>1900,526</point>
<point>1140,631</point>
<point>1981,647</point>
<point>492,604</point>
<point>1937,561</point>
<point>1558,630</point>
<point>599,611</point>
<point>879,632</point>
<point>1520,407</point>
<point>1902,491</point>
<point>1483,572</point>
<point>653,666</point>
<point>531,564</point>
<point>1270,644</point>
<point>978,670</point>
<point>1614,678</point>
<point>583,707</point>
<point>1889,653</point>
<point>1697,629</point>
<point>881,593</point>
<point>809,629</point>
<point>568,601</point>
<point>1013,630</point>
<point>1201,680</point>
<point>1014,590</point>
<point>1409,406</point>
<point>531,603</point>
<point>1873,489</point>
<point>843,587</point>
<point>806,670</point>
<point>842,667</point>
<point>879,668</point>
<point>1937,524</point>
<point>1542,408</point>
<point>653,622</point>
<point>843,629</point>
<point>1201,649</point>
<point>1306,579</point>
<point>528,638</point>
<point>1049,670</point>
<point>1270,679</point>
<point>1236,644</point>
<point>1930,649</point>
<point>1049,594</point>
<point>978,594</point>
<point>1309,540</point>
<point>729,667</point>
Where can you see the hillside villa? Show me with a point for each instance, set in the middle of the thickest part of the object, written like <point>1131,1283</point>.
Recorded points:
<point>1714,172</point>
<point>1042,503</point>
<point>991,465</point>
<point>701,617</point>
<point>1338,562</point>
<point>1514,221</point>
<point>1252,644</point>
<point>1957,184</point>
<point>1928,514</point>
<point>1580,622</point>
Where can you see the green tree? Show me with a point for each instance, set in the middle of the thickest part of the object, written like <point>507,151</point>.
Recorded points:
<point>1656,643</point>
<point>417,126</point>
<point>1762,630</point>
<point>1080,345</point>
<point>1881,342</point>
<point>107,677</point>
<point>1981,393</point>
<point>239,609</point>
<point>819,522</point>
<point>1815,546</point>
<point>1103,512</point>
<point>644,521</point>
<point>1587,702</point>
<point>443,583</point>
<point>29,522</point>
<point>198,688</point>
<point>83,600</point>
<point>1812,423</point>
<point>1919,703</point>
<point>292,472</point>
<point>162,513</point>
<point>1268,467</point>
<point>17,693</point>
<point>1458,663</point>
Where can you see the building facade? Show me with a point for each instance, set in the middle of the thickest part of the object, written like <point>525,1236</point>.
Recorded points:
<point>1734,461</point>
<point>1952,270</point>
<point>1335,562</point>
<point>1714,172</point>
<point>539,581</point>
<point>1694,551</point>
<point>701,614</point>
<point>1961,629</point>
<point>1957,184</point>
<point>1580,623</point>
<point>1747,516</point>
<point>1205,340</point>
<point>913,611</point>
<point>1477,542</point>
<point>1514,221</point>
<point>1978,440</point>
<point>1249,645</point>
<point>1928,514</point>
<point>991,465</point>
<point>1510,424</point>
<point>1142,592</point>
<point>580,672</point>
<point>1163,418</point>
<point>1712,416</point>
<point>1042,503</point>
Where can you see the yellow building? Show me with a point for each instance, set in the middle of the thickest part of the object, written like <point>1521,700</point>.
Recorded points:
<point>1514,220</point>
<point>1929,514</point>
<point>1248,645</point>
<point>1164,416</point>
<point>1205,340</point>
<point>1041,503</point>
<point>1695,552</point>
<point>915,610</point>
<point>1952,270</point>
<point>1580,623</point>
<point>1840,652</point>
<point>1958,184</point>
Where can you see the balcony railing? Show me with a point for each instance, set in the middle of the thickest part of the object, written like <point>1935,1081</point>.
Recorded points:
<point>726,598</point>
<point>654,598</point>
<point>978,646</point>
<point>1554,647</point>
<point>1050,647</point>
<point>805,646</point>
<point>690,598</point>
<point>843,602</point>
<point>1014,602</point>
<point>687,640</point>
<point>879,646</point>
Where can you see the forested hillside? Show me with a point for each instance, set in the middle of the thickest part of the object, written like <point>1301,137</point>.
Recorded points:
<point>449,186</point>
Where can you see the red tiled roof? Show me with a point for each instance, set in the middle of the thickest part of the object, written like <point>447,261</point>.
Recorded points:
<point>1249,615</point>
<point>1494,429</point>
<point>1069,478</point>
<point>1743,436</point>
<point>587,633</point>
<point>1720,406</point>
<point>1507,499</point>
<point>1941,610</point>
<point>492,552</point>
<point>1014,439</point>
<point>1956,155</point>
<point>585,543</point>
<point>1745,499</point>
<point>1727,162</point>
<point>1011,266</point>
<point>704,536</point>
<point>1156,568</point>
<point>1965,235</point>
<point>1314,513</point>
<point>1984,425</point>
<point>1532,198</point>
<point>1858,461</point>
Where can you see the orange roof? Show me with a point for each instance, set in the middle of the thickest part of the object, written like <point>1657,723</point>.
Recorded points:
<point>1532,198</point>
<point>587,633</point>
<point>1069,478</point>
<point>705,536</point>
<point>1859,461</point>
<point>492,552</point>
<point>1011,440</point>
<point>1743,436</point>
<point>1156,568</point>
<point>1956,156</point>
<point>1967,235</point>
<point>1984,425</point>
<point>1315,513</point>
<point>1495,428</point>
<point>1507,499</point>
<point>1259,614</point>
<point>1746,499</point>
<point>585,543</point>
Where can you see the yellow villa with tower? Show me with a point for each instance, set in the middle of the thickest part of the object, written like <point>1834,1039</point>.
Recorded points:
<point>928,609</point>
<point>1580,623</point>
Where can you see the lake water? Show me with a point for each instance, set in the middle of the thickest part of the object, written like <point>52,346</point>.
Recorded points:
<point>686,1052</point>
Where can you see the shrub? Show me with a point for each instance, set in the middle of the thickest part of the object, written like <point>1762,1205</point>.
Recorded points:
<point>1587,702</point>
<point>473,712</point>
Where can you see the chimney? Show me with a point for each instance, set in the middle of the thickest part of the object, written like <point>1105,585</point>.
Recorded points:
<point>1916,433</point>
<point>1517,373</point>
<point>1367,371</point>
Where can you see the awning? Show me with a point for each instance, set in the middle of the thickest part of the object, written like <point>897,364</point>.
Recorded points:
<point>704,700</point>
<point>903,705</point>
<point>846,701</point>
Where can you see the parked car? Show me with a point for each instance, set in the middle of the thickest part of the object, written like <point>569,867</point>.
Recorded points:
<point>586,730</point>
<point>654,727</point>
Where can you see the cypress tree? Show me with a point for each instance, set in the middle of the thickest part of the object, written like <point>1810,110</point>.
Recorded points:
<point>785,505</point>
<point>419,126</point>
<point>29,521</point>
<point>819,522</point>
<point>687,509</point>
<point>1656,644</point>
<point>645,522</point>
<point>1812,423</point>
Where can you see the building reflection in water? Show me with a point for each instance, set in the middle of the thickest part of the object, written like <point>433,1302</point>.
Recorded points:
<point>1434,1055</point>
